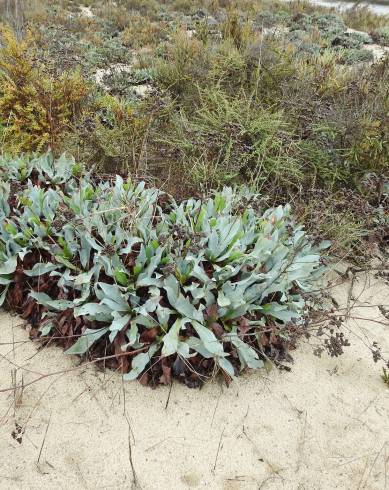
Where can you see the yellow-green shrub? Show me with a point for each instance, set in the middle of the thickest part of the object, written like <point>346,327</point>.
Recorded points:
<point>35,108</point>
<point>141,31</point>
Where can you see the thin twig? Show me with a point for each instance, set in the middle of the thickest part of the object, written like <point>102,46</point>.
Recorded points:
<point>44,439</point>
<point>168,397</point>
<point>64,371</point>
<point>218,450</point>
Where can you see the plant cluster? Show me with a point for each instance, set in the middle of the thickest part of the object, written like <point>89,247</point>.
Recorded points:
<point>35,109</point>
<point>168,289</point>
<point>381,35</point>
<point>195,95</point>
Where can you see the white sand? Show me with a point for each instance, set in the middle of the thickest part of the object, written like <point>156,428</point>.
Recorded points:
<point>142,90</point>
<point>116,68</point>
<point>378,51</point>
<point>325,425</point>
<point>86,12</point>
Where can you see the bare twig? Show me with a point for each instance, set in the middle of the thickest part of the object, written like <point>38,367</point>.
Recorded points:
<point>44,439</point>
<point>218,450</point>
<point>64,371</point>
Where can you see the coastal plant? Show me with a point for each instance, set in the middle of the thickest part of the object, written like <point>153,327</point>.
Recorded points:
<point>35,109</point>
<point>112,134</point>
<point>171,289</point>
<point>194,95</point>
<point>363,18</point>
<point>140,31</point>
<point>381,35</point>
<point>227,139</point>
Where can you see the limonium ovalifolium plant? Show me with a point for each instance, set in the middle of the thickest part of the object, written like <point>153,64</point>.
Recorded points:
<point>172,289</point>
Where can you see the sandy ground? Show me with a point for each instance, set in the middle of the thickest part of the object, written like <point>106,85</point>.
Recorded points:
<point>324,425</point>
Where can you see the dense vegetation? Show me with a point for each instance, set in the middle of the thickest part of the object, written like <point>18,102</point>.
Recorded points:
<point>168,249</point>
<point>164,289</point>
<point>194,95</point>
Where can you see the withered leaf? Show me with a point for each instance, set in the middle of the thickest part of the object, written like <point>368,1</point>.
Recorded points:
<point>217,329</point>
<point>149,335</point>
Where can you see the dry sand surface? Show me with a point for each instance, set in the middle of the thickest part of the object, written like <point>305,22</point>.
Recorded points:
<point>324,425</point>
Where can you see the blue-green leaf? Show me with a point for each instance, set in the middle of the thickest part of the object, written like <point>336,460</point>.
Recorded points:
<point>87,339</point>
<point>41,268</point>
<point>9,266</point>
<point>51,304</point>
<point>170,340</point>
<point>140,362</point>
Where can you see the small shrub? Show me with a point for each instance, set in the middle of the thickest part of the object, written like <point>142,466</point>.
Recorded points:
<point>235,29</point>
<point>121,83</point>
<point>381,35</point>
<point>230,139</point>
<point>35,109</point>
<point>141,31</point>
<point>362,18</point>
<point>228,67</point>
<point>345,118</point>
<point>112,135</point>
<point>105,52</point>
<point>269,19</point>
<point>330,24</point>
<point>142,6</point>
<point>184,64</point>
<point>350,40</point>
<point>339,216</point>
<point>355,55</point>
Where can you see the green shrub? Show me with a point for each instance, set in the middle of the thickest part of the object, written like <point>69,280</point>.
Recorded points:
<point>205,283</point>
<point>121,83</point>
<point>140,31</point>
<point>269,19</point>
<point>330,24</point>
<point>111,135</point>
<point>381,35</point>
<point>233,139</point>
<point>235,29</point>
<point>339,216</point>
<point>350,40</point>
<point>345,118</point>
<point>184,64</point>
<point>355,55</point>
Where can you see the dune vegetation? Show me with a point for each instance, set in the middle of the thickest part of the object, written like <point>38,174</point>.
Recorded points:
<point>219,149</point>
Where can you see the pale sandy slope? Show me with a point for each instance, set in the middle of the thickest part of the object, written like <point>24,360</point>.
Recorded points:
<point>325,425</point>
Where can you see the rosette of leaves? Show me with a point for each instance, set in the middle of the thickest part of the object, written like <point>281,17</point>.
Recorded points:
<point>189,284</point>
<point>40,169</point>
